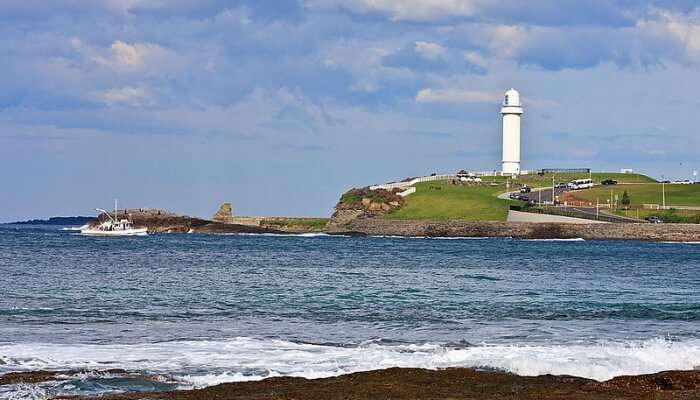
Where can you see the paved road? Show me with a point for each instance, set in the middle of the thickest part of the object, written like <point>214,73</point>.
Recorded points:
<point>544,195</point>
<point>519,216</point>
<point>540,195</point>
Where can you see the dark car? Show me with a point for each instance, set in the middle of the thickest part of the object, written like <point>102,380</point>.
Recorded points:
<point>525,189</point>
<point>523,198</point>
<point>609,182</point>
<point>654,220</point>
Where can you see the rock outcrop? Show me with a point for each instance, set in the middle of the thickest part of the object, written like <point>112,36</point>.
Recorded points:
<point>224,215</point>
<point>161,221</point>
<point>519,230</point>
<point>450,383</point>
<point>364,203</point>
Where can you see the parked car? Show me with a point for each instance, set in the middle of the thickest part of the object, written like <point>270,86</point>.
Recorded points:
<point>654,220</point>
<point>608,182</point>
<point>523,198</point>
<point>561,185</point>
<point>525,189</point>
<point>514,196</point>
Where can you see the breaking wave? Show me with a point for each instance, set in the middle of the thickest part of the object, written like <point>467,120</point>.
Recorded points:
<point>205,363</point>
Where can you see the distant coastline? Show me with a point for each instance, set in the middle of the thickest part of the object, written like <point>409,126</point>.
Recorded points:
<point>59,221</point>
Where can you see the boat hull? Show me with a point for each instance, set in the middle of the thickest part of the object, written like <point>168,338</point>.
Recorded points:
<point>130,232</point>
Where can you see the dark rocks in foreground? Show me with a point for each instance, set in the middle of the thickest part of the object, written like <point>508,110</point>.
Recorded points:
<point>451,383</point>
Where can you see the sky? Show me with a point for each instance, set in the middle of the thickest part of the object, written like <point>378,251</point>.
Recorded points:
<point>279,106</point>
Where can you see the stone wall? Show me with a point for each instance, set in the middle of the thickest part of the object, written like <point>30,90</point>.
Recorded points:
<point>457,228</point>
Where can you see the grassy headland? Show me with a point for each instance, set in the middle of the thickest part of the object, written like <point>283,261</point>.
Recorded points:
<point>442,200</point>
<point>445,200</point>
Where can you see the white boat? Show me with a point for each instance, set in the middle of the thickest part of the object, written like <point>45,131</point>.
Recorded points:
<point>114,226</point>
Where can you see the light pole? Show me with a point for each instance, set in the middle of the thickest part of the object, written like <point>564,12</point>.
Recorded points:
<point>663,192</point>
<point>553,189</point>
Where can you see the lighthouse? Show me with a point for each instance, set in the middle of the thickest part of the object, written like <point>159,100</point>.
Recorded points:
<point>511,111</point>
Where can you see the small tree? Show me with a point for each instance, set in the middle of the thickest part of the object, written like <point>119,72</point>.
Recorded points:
<point>625,200</point>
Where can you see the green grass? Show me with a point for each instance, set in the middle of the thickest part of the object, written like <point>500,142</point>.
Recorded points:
<point>676,195</point>
<point>668,216</point>
<point>442,200</point>
<point>315,223</point>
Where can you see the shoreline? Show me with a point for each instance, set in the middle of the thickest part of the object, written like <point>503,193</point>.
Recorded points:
<point>519,230</point>
<point>159,221</point>
<point>413,383</point>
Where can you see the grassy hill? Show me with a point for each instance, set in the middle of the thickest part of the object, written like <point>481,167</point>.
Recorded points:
<point>478,202</point>
<point>442,200</point>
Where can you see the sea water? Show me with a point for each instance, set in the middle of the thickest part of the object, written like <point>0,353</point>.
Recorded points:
<point>197,310</point>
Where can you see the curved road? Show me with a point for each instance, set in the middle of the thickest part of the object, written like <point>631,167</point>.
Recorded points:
<point>542,195</point>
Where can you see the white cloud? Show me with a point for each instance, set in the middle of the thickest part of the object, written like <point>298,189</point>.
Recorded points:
<point>126,96</point>
<point>457,96</point>
<point>506,40</point>
<point>475,58</point>
<point>124,57</point>
<point>430,51</point>
<point>683,30</point>
<point>416,10</point>
<point>125,6</point>
<point>366,65</point>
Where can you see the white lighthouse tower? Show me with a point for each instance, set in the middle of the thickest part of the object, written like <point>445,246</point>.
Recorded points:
<point>512,110</point>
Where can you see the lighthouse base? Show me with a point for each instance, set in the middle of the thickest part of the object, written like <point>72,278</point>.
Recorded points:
<point>510,168</point>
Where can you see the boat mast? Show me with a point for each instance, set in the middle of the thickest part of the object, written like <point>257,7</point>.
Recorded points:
<point>116,216</point>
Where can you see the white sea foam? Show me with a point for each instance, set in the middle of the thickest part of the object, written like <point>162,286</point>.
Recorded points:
<point>23,392</point>
<point>440,237</point>
<point>203,363</point>
<point>302,235</point>
<point>557,240</point>
<point>75,228</point>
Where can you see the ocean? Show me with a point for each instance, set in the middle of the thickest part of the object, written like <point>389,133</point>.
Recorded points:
<point>198,310</point>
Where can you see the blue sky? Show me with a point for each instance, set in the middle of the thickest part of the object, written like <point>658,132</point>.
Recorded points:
<point>280,105</point>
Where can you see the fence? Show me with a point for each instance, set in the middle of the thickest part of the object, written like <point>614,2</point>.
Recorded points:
<point>401,185</point>
<point>564,171</point>
<point>406,192</point>
<point>660,207</point>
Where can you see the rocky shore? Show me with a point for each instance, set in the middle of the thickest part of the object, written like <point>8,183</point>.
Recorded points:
<point>362,222</point>
<point>161,221</point>
<point>451,383</point>
<point>520,230</point>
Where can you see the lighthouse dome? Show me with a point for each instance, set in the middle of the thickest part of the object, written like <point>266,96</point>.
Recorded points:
<point>512,99</point>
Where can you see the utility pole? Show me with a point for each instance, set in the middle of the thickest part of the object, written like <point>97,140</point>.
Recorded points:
<point>553,189</point>
<point>597,209</point>
<point>663,193</point>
